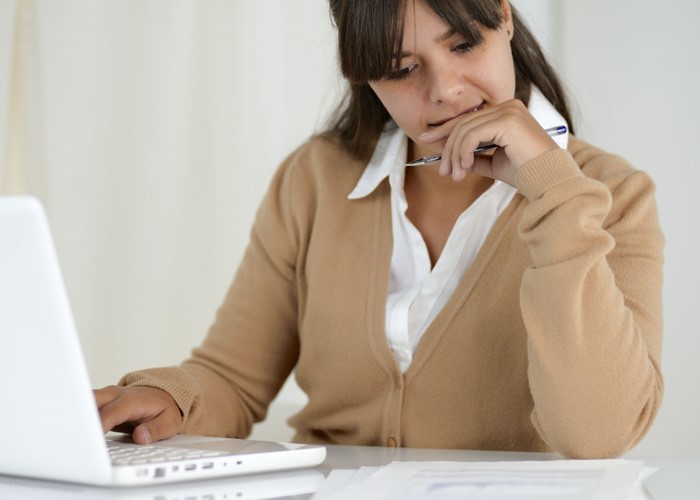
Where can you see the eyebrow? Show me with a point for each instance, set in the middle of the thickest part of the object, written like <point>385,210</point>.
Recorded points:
<point>439,39</point>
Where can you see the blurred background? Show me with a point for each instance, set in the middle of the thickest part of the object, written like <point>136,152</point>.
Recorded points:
<point>150,129</point>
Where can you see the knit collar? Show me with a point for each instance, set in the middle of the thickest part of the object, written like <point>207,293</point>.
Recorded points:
<point>390,153</point>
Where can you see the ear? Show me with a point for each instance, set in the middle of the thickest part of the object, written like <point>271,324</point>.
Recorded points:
<point>508,18</point>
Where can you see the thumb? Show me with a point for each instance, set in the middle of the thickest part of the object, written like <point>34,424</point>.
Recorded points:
<point>163,426</point>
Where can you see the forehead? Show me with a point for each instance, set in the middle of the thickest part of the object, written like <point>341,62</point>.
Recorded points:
<point>422,26</point>
<point>420,21</point>
<point>372,33</point>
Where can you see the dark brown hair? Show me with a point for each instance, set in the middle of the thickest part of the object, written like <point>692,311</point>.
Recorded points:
<point>370,32</point>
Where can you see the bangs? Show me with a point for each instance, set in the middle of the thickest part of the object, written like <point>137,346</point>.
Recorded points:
<point>370,32</point>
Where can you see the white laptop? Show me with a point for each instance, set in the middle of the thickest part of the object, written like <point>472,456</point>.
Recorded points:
<point>49,424</point>
<point>297,484</point>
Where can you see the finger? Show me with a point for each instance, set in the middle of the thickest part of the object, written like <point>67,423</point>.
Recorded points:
<point>437,134</point>
<point>462,156</point>
<point>105,395</point>
<point>448,165</point>
<point>483,165</point>
<point>467,157</point>
<point>116,415</point>
<point>443,131</point>
<point>466,136</point>
<point>130,406</point>
<point>164,426</point>
<point>148,414</point>
<point>462,144</point>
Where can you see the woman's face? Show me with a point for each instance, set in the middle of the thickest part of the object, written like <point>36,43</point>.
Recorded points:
<point>441,76</point>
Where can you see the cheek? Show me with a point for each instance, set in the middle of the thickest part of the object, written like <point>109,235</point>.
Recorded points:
<point>498,83</point>
<point>508,73</point>
<point>495,70</point>
<point>510,82</point>
<point>400,104</point>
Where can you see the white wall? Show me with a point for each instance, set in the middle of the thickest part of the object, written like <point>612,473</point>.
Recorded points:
<point>7,19</point>
<point>161,123</point>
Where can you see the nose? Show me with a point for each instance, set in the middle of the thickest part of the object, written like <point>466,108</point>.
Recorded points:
<point>446,85</point>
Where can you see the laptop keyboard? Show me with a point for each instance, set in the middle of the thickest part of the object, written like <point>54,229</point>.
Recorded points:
<point>133,454</point>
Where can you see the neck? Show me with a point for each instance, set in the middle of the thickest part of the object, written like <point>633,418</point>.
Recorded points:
<point>435,203</point>
<point>427,183</point>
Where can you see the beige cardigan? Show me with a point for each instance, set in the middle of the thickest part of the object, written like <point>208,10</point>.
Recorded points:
<point>552,340</point>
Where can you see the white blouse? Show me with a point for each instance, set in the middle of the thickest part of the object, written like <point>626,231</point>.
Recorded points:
<point>418,293</point>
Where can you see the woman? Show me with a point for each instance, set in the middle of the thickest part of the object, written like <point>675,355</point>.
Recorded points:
<point>505,301</point>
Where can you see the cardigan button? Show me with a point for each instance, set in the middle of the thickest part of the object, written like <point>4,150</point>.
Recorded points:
<point>391,442</point>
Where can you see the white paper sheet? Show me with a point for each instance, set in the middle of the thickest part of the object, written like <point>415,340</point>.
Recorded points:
<point>559,479</point>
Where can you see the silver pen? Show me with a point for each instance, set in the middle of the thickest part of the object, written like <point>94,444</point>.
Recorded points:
<point>429,160</point>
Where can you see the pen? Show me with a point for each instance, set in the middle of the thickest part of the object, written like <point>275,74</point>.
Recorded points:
<point>429,160</point>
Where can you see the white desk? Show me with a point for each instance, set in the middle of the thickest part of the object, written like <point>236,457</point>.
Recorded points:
<point>677,479</point>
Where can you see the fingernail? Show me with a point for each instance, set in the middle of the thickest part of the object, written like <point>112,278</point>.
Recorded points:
<point>457,174</point>
<point>145,435</point>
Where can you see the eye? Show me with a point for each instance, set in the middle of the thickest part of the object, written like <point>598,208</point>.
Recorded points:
<point>463,47</point>
<point>402,73</point>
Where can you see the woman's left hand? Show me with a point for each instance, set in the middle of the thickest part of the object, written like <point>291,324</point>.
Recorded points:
<point>509,125</point>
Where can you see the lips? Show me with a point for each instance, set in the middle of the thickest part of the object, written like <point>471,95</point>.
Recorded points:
<point>466,112</point>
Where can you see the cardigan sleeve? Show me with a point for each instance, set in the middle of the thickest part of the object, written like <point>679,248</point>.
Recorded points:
<point>230,379</point>
<point>591,303</point>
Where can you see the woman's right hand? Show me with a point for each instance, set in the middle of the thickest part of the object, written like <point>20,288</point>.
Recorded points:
<point>147,413</point>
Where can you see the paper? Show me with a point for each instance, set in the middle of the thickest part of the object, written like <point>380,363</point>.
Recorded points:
<point>559,479</point>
